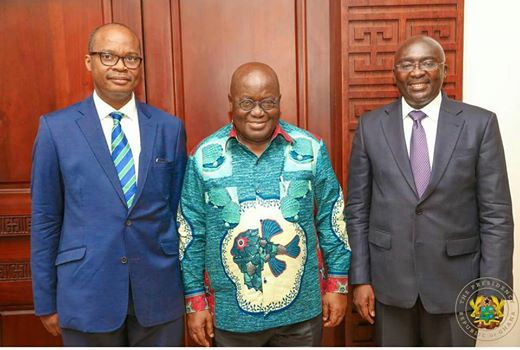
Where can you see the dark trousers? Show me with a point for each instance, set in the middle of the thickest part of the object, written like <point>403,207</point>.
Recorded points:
<point>416,327</point>
<point>130,334</point>
<point>306,333</point>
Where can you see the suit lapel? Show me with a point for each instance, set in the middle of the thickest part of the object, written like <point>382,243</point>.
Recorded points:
<point>90,125</point>
<point>448,131</point>
<point>147,130</point>
<point>393,130</point>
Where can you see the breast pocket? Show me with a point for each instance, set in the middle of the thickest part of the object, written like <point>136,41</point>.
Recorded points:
<point>163,175</point>
<point>464,153</point>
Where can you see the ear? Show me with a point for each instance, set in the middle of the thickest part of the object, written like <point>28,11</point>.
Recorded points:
<point>88,62</point>
<point>230,99</point>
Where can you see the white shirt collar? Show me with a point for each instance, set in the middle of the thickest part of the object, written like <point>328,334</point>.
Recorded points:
<point>104,109</point>
<point>432,109</point>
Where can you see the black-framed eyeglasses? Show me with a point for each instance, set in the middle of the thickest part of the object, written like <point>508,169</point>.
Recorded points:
<point>110,59</point>
<point>247,104</point>
<point>426,65</point>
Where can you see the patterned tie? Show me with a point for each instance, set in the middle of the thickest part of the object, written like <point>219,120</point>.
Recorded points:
<point>123,160</point>
<point>419,158</point>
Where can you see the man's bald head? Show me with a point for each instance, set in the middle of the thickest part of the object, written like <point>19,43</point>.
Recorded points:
<point>420,40</point>
<point>254,71</point>
<point>103,28</point>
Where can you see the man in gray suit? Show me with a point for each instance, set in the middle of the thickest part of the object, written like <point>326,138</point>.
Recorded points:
<point>429,207</point>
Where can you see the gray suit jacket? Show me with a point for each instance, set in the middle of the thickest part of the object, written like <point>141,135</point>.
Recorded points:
<point>461,228</point>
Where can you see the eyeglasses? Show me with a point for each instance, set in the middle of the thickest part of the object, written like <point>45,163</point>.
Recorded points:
<point>111,59</point>
<point>247,104</point>
<point>428,66</point>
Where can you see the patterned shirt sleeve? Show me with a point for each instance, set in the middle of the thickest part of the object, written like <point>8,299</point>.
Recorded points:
<point>192,233</point>
<point>330,223</point>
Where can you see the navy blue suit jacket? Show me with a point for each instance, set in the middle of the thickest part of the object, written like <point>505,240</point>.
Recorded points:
<point>86,246</point>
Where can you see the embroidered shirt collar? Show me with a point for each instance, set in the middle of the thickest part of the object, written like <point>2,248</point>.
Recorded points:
<point>277,131</point>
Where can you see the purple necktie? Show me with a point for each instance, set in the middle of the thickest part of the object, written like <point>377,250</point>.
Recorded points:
<point>419,158</point>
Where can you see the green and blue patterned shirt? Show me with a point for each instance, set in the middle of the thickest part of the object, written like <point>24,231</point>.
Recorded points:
<point>254,225</point>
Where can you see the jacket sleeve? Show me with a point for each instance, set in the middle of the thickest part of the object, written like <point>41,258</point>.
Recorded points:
<point>495,209</point>
<point>47,218</point>
<point>191,218</point>
<point>330,222</point>
<point>358,208</point>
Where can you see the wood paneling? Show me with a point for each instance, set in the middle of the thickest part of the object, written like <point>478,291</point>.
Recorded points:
<point>41,65</point>
<point>128,12</point>
<point>22,328</point>
<point>218,36</point>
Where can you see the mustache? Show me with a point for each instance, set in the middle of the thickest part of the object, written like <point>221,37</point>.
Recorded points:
<point>118,76</point>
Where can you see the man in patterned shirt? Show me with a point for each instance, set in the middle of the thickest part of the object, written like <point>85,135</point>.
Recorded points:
<point>259,199</point>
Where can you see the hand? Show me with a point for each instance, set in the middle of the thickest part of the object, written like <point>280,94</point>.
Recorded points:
<point>364,301</point>
<point>334,307</point>
<point>51,324</point>
<point>200,327</point>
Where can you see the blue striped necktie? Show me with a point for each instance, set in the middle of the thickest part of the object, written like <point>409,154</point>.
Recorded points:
<point>123,160</point>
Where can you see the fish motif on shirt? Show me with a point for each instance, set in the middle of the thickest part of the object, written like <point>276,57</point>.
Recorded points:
<point>251,251</point>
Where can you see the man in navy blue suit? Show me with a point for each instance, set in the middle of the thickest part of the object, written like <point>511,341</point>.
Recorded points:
<point>106,180</point>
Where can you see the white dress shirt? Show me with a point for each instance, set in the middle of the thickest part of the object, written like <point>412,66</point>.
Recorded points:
<point>129,124</point>
<point>429,123</point>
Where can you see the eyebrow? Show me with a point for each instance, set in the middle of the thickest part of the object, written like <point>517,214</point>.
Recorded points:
<point>409,59</point>
<point>115,53</point>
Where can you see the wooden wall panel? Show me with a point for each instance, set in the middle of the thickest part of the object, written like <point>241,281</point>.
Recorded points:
<point>22,328</point>
<point>42,69</point>
<point>218,36</point>
<point>318,71</point>
<point>365,35</point>
<point>128,12</point>
<point>158,53</point>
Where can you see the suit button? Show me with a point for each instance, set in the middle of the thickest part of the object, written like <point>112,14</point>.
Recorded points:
<point>419,211</point>
<point>128,222</point>
<point>124,260</point>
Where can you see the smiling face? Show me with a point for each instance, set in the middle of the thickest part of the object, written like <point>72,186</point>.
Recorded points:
<point>420,87</point>
<point>256,82</point>
<point>114,84</point>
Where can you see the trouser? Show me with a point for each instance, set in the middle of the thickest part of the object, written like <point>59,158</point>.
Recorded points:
<point>306,333</point>
<point>396,326</point>
<point>131,333</point>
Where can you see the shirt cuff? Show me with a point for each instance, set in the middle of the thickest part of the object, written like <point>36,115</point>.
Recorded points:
<point>196,301</point>
<point>336,283</point>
